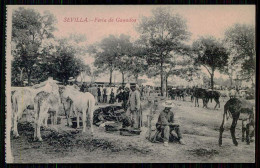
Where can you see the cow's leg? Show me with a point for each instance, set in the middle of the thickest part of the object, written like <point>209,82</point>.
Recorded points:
<point>221,130</point>
<point>247,134</point>
<point>15,120</point>
<point>55,116</point>
<point>84,117</point>
<point>243,131</point>
<point>43,112</point>
<point>233,131</point>
<point>217,103</point>
<point>90,112</point>
<point>78,120</point>
<point>46,120</point>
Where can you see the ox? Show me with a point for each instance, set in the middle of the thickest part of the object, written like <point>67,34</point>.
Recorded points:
<point>238,109</point>
<point>82,103</point>
<point>24,98</point>
<point>211,94</point>
<point>44,102</point>
<point>200,93</point>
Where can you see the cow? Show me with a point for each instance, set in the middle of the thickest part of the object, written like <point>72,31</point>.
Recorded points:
<point>23,99</point>
<point>82,103</point>
<point>212,94</point>
<point>238,109</point>
<point>180,94</point>
<point>67,105</point>
<point>200,93</point>
<point>189,92</point>
<point>43,103</point>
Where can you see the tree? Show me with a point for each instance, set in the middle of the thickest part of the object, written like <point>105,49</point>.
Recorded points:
<point>106,54</point>
<point>240,41</point>
<point>60,60</point>
<point>161,34</point>
<point>112,54</point>
<point>137,64</point>
<point>210,54</point>
<point>29,29</point>
<point>124,52</point>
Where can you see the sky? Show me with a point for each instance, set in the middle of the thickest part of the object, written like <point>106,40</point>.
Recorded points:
<point>202,20</point>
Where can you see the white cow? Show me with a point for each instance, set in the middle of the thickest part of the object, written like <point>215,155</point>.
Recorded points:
<point>82,103</point>
<point>23,98</point>
<point>44,102</point>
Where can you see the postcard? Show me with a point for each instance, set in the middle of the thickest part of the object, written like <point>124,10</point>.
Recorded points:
<point>130,84</point>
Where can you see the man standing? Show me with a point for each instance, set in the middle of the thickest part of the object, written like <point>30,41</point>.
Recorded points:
<point>125,96</point>
<point>108,93</point>
<point>99,95</point>
<point>104,95</point>
<point>134,107</point>
<point>166,124</point>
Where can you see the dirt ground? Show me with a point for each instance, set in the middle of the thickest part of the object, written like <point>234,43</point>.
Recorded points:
<point>199,126</point>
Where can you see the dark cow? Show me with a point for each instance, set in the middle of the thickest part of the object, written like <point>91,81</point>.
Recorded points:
<point>180,94</point>
<point>238,109</point>
<point>200,93</point>
<point>190,92</point>
<point>212,94</point>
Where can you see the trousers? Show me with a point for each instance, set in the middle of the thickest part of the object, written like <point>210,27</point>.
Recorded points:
<point>134,117</point>
<point>167,132</point>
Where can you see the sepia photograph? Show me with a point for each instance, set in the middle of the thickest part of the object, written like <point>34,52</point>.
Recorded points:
<point>130,84</point>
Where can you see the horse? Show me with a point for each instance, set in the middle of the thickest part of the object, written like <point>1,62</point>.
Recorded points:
<point>238,109</point>
<point>82,103</point>
<point>200,93</point>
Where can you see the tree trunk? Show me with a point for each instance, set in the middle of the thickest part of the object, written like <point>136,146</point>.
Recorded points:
<point>110,79</point>
<point>136,78</point>
<point>166,85</point>
<point>29,78</point>
<point>212,80</point>
<point>161,78</point>
<point>21,74</point>
<point>231,81</point>
<point>123,78</point>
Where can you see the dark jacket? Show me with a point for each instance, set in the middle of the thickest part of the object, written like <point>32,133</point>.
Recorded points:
<point>165,118</point>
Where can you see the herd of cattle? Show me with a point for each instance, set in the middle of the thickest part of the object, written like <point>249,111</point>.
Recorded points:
<point>49,97</point>
<point>204,94</point>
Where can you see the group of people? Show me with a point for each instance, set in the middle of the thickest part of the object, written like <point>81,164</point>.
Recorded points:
<point>130,97</point>
<point>168,129</point>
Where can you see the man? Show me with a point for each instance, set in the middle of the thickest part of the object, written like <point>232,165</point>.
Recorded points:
<point>166,124</point>
<point>99,95</point>
<point>108,93</point>
<point>104,95</point>
<point>134,103</point>
<point>112,97</point>
<point>125,96</point>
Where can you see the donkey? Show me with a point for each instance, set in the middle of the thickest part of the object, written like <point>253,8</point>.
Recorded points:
<point>238,109</point>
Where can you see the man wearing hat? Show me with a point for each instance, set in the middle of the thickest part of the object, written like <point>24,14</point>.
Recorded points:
<point>134,106</point>
<point>166,123</point>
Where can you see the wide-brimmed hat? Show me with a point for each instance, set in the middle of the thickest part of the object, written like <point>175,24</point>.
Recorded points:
<point>127,86</point>
<point>168,103</point>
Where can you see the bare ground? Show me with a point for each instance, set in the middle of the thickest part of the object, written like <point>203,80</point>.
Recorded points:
<point>200,128</point>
